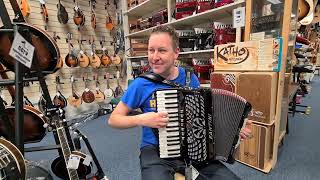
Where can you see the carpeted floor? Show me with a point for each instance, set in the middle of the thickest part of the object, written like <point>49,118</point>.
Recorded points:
<point>117,150</point>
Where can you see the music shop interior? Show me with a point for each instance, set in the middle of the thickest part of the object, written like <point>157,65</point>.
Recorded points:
<point>66,64</point>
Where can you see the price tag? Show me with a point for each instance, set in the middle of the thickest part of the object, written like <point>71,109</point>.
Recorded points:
<point>239,17</point>
<point>22,50</point>
<point>87,160</point>
<point>73,162</point>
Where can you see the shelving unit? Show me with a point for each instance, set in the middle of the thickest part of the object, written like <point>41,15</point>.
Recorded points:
<point>145,9</point>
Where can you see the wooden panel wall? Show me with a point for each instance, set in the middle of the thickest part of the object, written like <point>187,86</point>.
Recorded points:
<point>61,30</point>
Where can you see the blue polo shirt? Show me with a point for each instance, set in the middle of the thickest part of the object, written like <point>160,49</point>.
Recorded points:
<point>139,95</point>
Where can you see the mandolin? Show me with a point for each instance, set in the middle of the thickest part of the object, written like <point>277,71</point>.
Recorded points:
<point>109,23</point>
<point>74,99</point>
<point>105,58</point>
<point>44,12</point>
<point>25,8</point>
<point>62,15</point>
<point>78,16</point>
<point>98,95</point>
<point>95,61</point>
<point>70,60</point>
<point>93,14</point>
<point>87,95</point>
<point>82,56</point>
<point>118,91</point>
<point>59,100</point>
<point>303,9</point>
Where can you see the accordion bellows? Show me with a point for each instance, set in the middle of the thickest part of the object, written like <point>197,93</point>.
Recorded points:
<point>204,124</point>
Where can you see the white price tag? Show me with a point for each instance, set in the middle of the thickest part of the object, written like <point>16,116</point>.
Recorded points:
<point>22,50</point>
<point>87,160</point>
<point>73,162</point>
<point>239,17</point>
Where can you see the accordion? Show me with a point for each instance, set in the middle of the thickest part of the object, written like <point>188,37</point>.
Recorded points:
<point>204,124</point>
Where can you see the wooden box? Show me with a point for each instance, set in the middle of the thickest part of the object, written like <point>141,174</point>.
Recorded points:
<point>260,89</point>
<point>257,151</point>
<point>263,55</point>
<point>224,80</point>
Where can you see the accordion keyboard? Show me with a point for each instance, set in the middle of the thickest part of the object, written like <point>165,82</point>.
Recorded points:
<point>169,136</point>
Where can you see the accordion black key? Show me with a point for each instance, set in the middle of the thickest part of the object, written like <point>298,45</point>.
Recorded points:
<point>204,124</point>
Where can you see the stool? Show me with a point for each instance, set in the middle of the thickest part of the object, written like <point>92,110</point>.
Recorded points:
<point>178,176</point>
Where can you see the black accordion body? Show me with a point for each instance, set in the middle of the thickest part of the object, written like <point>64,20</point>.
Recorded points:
<point>204,124</point>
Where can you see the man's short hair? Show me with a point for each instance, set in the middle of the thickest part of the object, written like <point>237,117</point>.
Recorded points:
<point>169,30</point>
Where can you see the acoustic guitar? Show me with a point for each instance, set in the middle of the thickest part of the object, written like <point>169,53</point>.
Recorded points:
<point>70,60</point>
<point>78,16</point>
<point>87,95</point>
<point>84,60</point>
<point>12,164</point>
<point>95,61</point>
<point>25,8</point>
<point>62,15</point>
<point>74,99</point>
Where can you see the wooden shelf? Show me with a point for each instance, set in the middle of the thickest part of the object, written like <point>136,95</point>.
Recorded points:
<point>223,13</point>
<point>145,8</point>
<point>181,53</point>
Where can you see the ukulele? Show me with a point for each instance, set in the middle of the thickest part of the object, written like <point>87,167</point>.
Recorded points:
<point>109,23</point>
<point>95,61</point>
<point>105,58</point>
<point>59,100</point>
<point>82,56</point>
<point>87,95</point>
<point>98,95</point>
<point>25,8</point>
<point>62,14</point>
<point>74,99</point>
<point>108,92</point>
<point>70,60</point>
<point>78,17</point>
<point>118,91</point>
<point>44,12</point>
<point>93,14</point>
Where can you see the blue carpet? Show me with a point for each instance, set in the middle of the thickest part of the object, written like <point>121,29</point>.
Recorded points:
<point>117,150</point>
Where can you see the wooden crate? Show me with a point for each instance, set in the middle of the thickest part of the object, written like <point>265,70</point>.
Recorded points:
<point>257,151</point>
<point>260,89</point>
<point>224,80</point>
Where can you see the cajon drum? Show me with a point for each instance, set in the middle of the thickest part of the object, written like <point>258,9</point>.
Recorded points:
<point>260,89</point>
<point>224,80</point>
<point>257,151</point>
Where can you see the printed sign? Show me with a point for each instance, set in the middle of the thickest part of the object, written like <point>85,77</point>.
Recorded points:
<point>239,17</point>
<point>22,50</point>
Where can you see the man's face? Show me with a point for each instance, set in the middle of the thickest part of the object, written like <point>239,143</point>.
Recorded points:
<point>161,55</point>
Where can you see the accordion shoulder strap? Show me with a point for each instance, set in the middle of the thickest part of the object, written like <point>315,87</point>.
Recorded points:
<point>151,76</point>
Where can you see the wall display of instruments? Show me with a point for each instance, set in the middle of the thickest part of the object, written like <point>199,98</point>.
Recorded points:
<point>198,122</point>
